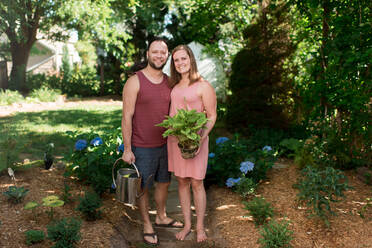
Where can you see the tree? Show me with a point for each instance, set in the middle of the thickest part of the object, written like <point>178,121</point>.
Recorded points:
<point>21,20</point>
<point>338,84</point>
<point>259,88</point>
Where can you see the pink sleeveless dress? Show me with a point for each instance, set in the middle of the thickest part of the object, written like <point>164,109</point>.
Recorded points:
<point>197,166</point>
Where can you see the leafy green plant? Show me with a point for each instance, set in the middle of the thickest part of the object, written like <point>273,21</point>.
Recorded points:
<point>92,162</point>
<point>65,233</point>
<point>66,195</point>
<point>226,162</point>
<point>31,206</point>
<point>245,187</point>
<point>289,147</point>
<point>34,237</point>
<point>52,201</point>
<point>8,97</point>
<point>45,94</point>
<point>185,125</point>
<point>276,235</point>
<point>259,209</point>
<point>89,206</point>
<point>318,188</point>
<point>364,208</point>
<point>16,194</point>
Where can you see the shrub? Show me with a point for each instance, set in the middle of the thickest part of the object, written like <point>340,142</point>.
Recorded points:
<point>225,164</point>
<point>66,232</point>
<point>92,162</point>
<point>8,97</point>
<point>16,194</point>
<point>276,235</point>
<point>318,188</point>
<point>45,94</point>
<point>259,209</point>
<point>34,236</point>
<point>89,206</point>
<point>66,195</point>
<point>245,187</point>
<point>228,157</point>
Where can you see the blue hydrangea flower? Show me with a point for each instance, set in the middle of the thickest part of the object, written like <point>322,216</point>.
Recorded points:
<point>121,148</point>
<point>236,180</point>
<point>220,140</point>
<point>232,181</point>
<point>80,144</point>
<point>246,166</point>
<point>96,141</point>
<point>266,148</point>
<point>211,155</point>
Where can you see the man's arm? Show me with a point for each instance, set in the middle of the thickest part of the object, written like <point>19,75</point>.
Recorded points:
<point>130,92</point>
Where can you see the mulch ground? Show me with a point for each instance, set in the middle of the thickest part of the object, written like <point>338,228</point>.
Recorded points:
<point>347,229</point>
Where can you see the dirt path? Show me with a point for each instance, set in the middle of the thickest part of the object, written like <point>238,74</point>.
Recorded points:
<point>60,104</point>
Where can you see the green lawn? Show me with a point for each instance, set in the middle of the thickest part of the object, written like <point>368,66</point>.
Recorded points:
<point>25,135</point>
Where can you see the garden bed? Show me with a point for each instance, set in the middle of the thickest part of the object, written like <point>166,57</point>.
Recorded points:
<point>347,229</point>
<point>226,214</point>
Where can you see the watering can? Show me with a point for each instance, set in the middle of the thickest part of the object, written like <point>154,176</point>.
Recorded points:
<point>128,184</point>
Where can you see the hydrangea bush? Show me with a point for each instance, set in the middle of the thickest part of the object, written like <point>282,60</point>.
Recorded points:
<point>237,165</point>
<point>92,157</point>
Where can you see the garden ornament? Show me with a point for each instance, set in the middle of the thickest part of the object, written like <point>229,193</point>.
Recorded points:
<point>11,174</point>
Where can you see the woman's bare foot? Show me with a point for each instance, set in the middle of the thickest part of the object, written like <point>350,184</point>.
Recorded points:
<point>183,234</point>
<point>201,235</point>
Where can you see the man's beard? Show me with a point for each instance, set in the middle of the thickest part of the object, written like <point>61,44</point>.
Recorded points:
<point>152,64</point>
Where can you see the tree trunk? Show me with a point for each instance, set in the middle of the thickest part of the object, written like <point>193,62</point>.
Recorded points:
<point>20,53</point>
<point>102,78</point>
<point>3,75</point>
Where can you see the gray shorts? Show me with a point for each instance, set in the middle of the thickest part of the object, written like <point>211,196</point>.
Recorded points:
<point>152,161</point>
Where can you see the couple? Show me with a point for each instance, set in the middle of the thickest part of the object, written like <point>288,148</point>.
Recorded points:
<point>148,96</point>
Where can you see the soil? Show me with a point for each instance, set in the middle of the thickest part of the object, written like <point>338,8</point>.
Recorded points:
<point>226,217</point>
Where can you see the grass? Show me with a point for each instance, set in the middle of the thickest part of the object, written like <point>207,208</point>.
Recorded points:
<point>25,135</point>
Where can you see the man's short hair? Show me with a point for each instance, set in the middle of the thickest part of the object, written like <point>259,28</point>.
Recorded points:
<point>155,38</point>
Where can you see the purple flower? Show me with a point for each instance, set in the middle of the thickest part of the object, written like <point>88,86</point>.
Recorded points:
<point>246,166</point>
<point>211,155</point>
<point>221,140</point>
<point>80,144</point>
<point>121,148</point>
<point>96,141</point>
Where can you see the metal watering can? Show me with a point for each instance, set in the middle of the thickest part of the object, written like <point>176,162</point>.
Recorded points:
<point>127,184</point>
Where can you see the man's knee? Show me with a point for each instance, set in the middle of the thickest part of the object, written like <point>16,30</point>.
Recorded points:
<point>162,185</point>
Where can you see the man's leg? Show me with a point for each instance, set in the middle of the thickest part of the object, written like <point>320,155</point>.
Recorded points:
<point>161,195</point>
<point>200,201</point>
<point>143,205</point>
<point>185,200</point>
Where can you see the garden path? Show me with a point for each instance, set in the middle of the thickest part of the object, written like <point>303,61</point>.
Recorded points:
<point>129,227</point>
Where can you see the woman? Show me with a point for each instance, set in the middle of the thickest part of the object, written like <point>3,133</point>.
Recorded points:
<point>191,91</point>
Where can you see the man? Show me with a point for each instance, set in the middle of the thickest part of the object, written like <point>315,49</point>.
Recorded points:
<point>146,100</point>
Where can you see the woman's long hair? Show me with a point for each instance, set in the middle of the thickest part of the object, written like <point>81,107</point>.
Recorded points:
<point>175,77</point>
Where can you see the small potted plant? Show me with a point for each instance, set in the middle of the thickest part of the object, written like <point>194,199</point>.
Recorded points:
<point>48,156</point>
<point>186,126</point>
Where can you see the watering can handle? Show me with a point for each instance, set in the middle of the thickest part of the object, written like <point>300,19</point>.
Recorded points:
<point>113,169</point>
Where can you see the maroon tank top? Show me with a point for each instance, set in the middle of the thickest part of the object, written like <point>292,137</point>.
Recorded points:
<point>151,107</point>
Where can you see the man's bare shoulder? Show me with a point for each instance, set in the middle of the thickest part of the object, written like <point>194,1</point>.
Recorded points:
<point>132,84</point>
